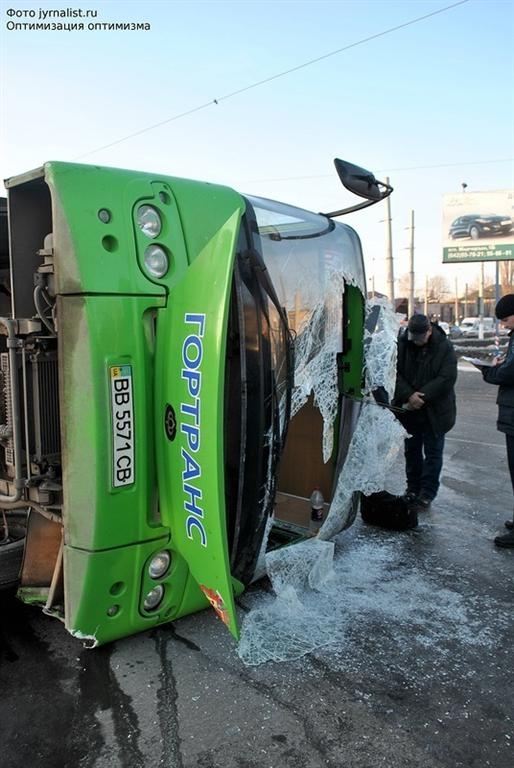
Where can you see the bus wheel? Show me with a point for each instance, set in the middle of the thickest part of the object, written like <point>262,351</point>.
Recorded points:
<point>11,555</point>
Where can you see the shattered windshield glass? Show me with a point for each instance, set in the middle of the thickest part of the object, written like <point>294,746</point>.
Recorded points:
<point>310,258</point>
<point>309,607</point>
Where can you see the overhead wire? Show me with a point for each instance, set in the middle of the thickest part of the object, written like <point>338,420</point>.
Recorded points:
<point>216,101</point>
<point>388,170</point>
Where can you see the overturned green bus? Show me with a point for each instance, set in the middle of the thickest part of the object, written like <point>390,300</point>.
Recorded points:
<point>154,335</point>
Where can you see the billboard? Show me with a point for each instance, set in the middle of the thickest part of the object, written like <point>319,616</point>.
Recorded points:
<point>478,226</point>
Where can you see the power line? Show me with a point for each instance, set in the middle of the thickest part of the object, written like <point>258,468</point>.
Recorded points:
<point>271,78</point>
<point>390,170</point>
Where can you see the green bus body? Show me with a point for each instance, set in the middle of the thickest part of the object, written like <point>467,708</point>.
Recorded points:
<point>140,407</point>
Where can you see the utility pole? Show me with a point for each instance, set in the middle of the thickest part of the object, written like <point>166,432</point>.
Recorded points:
<point>426,295</point>
<point>456,311</point>
<point>496,300</point>
<point>411,267</point>
<point>389,249</point>
<point>481,303</point>
<point>464,187</point>
<point>497,295</point>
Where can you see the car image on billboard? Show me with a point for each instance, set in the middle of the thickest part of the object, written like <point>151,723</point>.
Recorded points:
<point>476,226</point>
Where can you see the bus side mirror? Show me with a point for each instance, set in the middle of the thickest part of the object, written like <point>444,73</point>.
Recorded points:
<point>358,180</point>
<point>361,183</point>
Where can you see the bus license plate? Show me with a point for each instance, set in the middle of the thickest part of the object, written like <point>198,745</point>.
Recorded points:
<point>122,412</point>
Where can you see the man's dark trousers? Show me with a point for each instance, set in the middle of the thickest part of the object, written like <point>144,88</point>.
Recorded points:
<point>510,456</point>
<point>424,461</point>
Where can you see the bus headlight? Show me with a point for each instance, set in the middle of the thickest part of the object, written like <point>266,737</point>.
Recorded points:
<point>153,598</point>
<point>149,221</point>
<point>159,564</point>
<point>156,261</point>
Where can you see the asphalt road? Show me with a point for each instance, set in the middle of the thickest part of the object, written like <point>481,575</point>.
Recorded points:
<point>421,675</point>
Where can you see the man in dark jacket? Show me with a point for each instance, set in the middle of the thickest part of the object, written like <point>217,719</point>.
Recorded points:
<point>502,373</point>
<point>425,378</point>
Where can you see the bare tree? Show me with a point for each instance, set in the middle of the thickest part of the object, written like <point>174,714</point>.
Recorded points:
<point>437,288</point>
<point>506,277</point>
<point>404,284</point>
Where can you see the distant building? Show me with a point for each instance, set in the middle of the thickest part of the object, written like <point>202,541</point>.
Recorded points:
<point>442,310</point>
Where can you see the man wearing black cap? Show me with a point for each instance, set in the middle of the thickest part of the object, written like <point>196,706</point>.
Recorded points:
<point>425,379</point>
<point>503,374</point>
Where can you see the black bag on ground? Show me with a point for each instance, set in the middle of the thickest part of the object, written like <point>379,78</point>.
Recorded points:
<point>388,511</point>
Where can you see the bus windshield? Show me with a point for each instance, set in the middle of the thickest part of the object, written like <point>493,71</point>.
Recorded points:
<point>303,251</point>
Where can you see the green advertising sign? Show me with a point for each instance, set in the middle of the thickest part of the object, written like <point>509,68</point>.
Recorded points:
<point>468,253</point>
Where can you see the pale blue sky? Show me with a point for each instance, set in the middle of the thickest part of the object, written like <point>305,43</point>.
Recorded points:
<point>436,93</point>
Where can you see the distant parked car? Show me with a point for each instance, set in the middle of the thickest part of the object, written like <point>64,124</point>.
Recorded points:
<point>469,325</point>
<point>476,226</point>
<point>444,326</point>
<point>455,332</point>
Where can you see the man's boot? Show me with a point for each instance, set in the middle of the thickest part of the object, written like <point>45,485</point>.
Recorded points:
<point>507,540</point>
